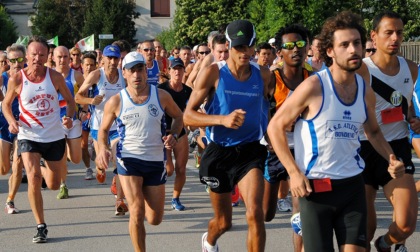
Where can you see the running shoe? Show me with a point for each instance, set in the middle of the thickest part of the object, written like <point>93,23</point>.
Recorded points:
<point>10,208</point>
<point>296,224</point>
<point>41,235</point>
<point>235,204</point>
<point>203,240</point>
<point>89,174</point>
<point>64,192</point>
<point>120,207</point>
<point>207,188</point>
<point>176,204</point>
<point>400,248</point>
<point>100,176</point>
<point>114,185</point>
<point>284,205</point>
<point>197,157</point>
<point>378,248</point>
<point>192,140</point>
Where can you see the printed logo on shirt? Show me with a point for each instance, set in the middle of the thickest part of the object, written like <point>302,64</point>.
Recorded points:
<point>396,98</point>
<point>39,89</point>
<point>347,115</point>
<point>153,110</point>
<point>406,80</point>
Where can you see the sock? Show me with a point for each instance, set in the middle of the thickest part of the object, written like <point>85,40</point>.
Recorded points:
<point>42,225</point>
<point>382,242</point>
<point>209,247</point>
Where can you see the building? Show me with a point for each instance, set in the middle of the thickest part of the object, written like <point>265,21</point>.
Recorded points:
<point>155,15</point>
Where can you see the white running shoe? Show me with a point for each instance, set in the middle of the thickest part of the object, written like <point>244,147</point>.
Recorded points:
<point>284,205</point>
<point>10,208</point>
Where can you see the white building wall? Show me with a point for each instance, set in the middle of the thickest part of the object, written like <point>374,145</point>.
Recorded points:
<point>148,27</point>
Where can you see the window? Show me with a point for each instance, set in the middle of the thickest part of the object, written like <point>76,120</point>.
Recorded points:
<point>160,8</point>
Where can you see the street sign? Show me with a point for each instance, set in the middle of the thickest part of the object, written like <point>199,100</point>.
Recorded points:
<point>106,36</point>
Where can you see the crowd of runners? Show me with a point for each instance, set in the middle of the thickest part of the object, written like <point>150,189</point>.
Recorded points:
<point>303,123</point>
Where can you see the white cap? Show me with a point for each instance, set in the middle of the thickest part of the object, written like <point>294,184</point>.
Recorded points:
<point>271,41</point>
<point>132,59</point>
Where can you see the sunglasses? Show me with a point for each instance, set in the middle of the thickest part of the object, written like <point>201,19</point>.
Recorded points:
<point>149,49</point>
<point>291,45</point>
<point>205,52</point>
<point>18,60</point>
<point>370,50</point>
<point>309,55</point>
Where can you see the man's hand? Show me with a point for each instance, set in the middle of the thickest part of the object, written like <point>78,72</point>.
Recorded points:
<point>67,122</point>
<point>299,185</point>
<point>97,100</point>
<point>235,119</point>
<point>396,168</point>
<point>169,141</point>
<point>102,159</point>
<point>415,124</point>
<point>14,127</point>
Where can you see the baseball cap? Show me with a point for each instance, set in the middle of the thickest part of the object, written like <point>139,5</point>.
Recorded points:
<point>132,59</point>
<point>176,62</point>
<point>112,51</point>
<point>240,32</point>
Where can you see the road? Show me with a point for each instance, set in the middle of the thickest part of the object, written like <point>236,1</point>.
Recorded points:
<point>86,221</point>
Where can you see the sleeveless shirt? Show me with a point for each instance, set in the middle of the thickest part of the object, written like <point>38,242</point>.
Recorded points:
<point>153,74</point>
<point>327,146</point>
<point>39,111</point>
<point>232,94</point>
<point>141,127</point>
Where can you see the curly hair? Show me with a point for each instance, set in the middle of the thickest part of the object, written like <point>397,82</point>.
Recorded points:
<point>342,21</point>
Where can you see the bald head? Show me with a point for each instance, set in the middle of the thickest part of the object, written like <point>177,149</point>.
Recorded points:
<point>61,57</point>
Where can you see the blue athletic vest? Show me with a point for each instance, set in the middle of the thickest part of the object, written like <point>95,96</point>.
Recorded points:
<point>15,103</point>
<point>153,74</point>
<point>232,94</point>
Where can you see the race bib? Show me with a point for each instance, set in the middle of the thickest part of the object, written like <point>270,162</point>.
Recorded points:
<point>392,115</point>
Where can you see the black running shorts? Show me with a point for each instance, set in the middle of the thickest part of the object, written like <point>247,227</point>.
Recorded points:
<point>222,167</point>
<point>342,210</point>
<point>52,151</point>
<point>376,169</point>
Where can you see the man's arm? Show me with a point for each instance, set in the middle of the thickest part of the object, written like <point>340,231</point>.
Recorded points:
<point>81,96</point>
<point>14,86</point>
<point>111,110</point>
<point>1,88</point>
<point>193,75</point>
<point>377,139</point>
<point>206,84</point>
<point>306,99</point>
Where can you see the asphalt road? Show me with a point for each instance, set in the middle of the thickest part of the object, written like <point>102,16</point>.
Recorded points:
<point>86,220</point>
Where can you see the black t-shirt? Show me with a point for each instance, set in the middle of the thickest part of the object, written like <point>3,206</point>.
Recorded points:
<point>181,98</point>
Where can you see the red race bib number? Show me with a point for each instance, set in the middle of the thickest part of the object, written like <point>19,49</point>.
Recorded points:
<point>322,185</point>
<point>392,115</point>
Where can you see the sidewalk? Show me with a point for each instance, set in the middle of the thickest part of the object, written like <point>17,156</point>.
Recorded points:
<point>86,221</point>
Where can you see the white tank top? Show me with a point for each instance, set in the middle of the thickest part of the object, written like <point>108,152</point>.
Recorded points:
<point>39,111</point>
<point>401,82</point>
<point>141,127</point>
<point>109,90</point>
<point>327,146</point>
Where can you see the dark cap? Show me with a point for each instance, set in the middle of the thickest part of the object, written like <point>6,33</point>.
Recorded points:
<point>240,32</point>
<point>176,62</point>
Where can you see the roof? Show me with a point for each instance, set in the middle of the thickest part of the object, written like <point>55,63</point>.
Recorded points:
<point>19,6</point>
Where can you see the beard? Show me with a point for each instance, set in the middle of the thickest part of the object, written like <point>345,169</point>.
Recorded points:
<point>349,67</point>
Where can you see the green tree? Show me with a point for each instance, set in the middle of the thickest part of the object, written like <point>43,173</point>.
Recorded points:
<point>111,17</point>
<point>195,19</point>
<point>8,33</point>
<point>61,18</point>
<point>73,20</point>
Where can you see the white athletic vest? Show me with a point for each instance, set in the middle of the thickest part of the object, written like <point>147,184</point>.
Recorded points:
<point>141,127</point>
<point>327,146</point>
<point>402,82</point>
<point>104,87</point>
<point>39,111</point>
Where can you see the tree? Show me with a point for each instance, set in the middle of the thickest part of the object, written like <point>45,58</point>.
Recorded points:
<point>72,20</point>
<point>114,17</point>
<point>8,34</point>
<point>195,19</point>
